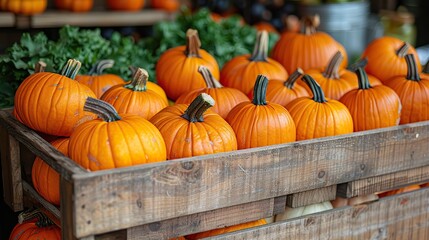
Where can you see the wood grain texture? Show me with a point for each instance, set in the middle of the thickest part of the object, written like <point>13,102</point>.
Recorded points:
<point>384,183</point>
<point>37,145</point>
<point>157,192</point>
<point>404,216</point>
<point>319,195</point>
<point>11,171</point>
<point>68,217</point>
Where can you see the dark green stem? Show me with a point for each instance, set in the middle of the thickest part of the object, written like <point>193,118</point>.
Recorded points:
<point>139,81</point>
<point>318,94</point>
<point>361,63</point>
<point>332,71</point>
<point>413,71</point>
<point>211,82</point>
<point>362,79</point>
<point>32,213</point>
<point>103,109</point>
<point>71,68</point>
<point>260,90</point>
<point>260,51</point>
<point>290,82</point>
<point>403,50</point>
<point>196,110</point>
<point>40,67</point>
<point>98,68</point>
<point>193,43</point>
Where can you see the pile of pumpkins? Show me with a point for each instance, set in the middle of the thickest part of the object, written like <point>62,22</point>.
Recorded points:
<point>302,91</point>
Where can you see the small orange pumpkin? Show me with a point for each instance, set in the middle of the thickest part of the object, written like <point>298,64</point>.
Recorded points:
<point>184,76</point>
<point>240,72</point>
<point>319,116</point>
<point>372,107</point>
<point>74,5</point>
<point>400,190</point>
<point>125,5</point>
<point>114,140</point>
<point>261,123</point>
<point>219,231</point>
<point>97,81</point>
<point>25,7</point>
<point>226,98</point>
<point>194,130</point>
<point>167,5</point>
<point>33,224</point>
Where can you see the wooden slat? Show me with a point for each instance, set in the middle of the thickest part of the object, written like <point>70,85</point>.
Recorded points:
<point>156,192</point>
<point>398,217</point>
<point>312,196</point>
<point>37,145</point>
<point>7,19</point>
<point>11,171</point>
<point>68,217</point>
<point>384,182</point>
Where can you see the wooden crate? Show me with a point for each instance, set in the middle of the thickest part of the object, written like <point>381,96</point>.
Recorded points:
<point>180,197</point>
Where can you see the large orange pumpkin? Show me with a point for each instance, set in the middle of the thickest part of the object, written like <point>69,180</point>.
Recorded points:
<point>46,180</point>
<point>125,5</point>
<point>97,80</point>
<point>114,141</point>
<point>25,7</point>
<point>74,5</point>
<point>219,231</point>
<point>372,107</point>
<point>413,90</point>
<point>307,49</point>
<point>225,97</point>
<point>319,116</point>
<point>385,56</point>
<point>193,130</point>
<point>240,72</point>
<point>177,68</point>
<point>52,103</point>
<point>261,123</point>
<point>135,97</point>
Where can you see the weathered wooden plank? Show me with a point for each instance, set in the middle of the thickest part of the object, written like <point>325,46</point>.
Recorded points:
<point>384,182</point>
<point>311,196</point>
<point>11,171</point>
<point>156,192</point>
<point>37,145</point>
<point>398,217</point>
<point>68,217</point>
<point>117,235</point>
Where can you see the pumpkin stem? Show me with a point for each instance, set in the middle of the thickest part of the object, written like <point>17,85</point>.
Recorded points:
<point>260,90</point>
<point>195,110</point>
<point>209,78</point>
<point>412,70</point>
<point>318,94</point>
<point>71,68</point>
<point>403,50</point>
<point>361,63</point>
<point>309,24</point>
<point>139,81</point>
<point>362,79</point>
<point>98,68</point>
<point>260,51</point>
<point>291,80</point>
<point>193,43</point>
<point>40,66</point>
<point>32,213</point>
<point>332,71</point>
<point>103,109</point>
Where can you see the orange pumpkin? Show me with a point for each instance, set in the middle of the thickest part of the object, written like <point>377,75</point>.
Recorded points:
<point>385,56</point>
<point>413,90</point>
<point>372,107</point>
<point>226,98</point>
<point>74,5</point>
<point>52,103</point>
<point>46,180</point>
<point>319,116</point>
<point>194,130</point>
<point>135,97</point>
<point>125,5</point>
<point>177,68</point>
<point>219,231</point>
<point>400,190</point>
<point>152,86</point>
<point>97,81</point>
<point>240,72</point>
<point>114,141</point>
<point>25,7</point>
<point>167,5</point>
<point>308,49</point>
<point>261,123</point>
<point>33,224</point>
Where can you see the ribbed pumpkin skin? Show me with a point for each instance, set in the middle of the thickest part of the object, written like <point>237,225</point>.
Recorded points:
<point>278,93</point>
<point>25,7</point>
<point>30,231</point>
<point>51,103</point>
<point>100,83</point>
<point>74,5</point>
<point>133,140</point>
<point>186,139</point>
<point>229,229</point>
<point>177,74</point>
<point>125,5</point>
<point>156,88</point>
<point>333,88</point>
<point>46,180</point>
<point>383,62</point>
<point>296,50</point>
